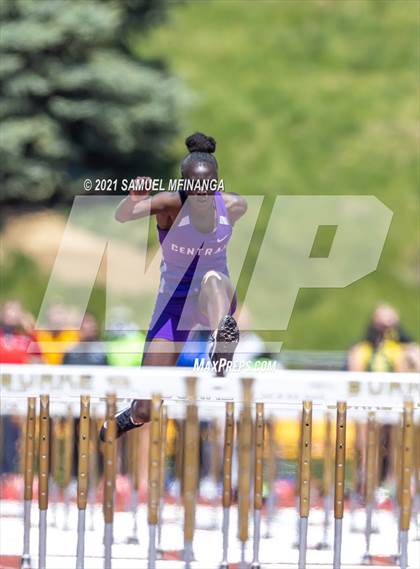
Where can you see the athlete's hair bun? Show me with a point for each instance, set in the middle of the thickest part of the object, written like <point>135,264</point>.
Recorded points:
<point>199,142</point>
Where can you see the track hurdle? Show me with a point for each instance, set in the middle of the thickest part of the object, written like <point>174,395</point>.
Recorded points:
<point>270,443</point>
<point>62,441</point>
<point>67,462</point>
<point>133,470</point>
<point>305,480</point>
<point>56,460</point>
<point>43,474</point>
<point>190,471</point>
<point>28,480</point>
<point>326,481</point>
<point>340,476</point>
<point>154,475</point>
<point>406,476</point>
<point>244,465</point>
<point>370,480</point>
<point>82,478</point>
<point>416,504</point>
<point>163,437</point>
<point>355,479</point>
<point>109,479</point>
<point>258,481</point>
<point>297,484</point>
<point>227,480</point>
<point>93,467</point>
<point>214,467</point>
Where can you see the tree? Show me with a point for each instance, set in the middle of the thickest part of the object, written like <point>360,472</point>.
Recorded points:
<point>75,102</point>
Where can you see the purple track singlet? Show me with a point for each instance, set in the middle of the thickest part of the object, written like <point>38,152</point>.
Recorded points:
<point>188,255</point>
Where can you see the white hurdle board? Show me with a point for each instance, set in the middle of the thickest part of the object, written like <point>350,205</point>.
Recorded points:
<point>282,389</point>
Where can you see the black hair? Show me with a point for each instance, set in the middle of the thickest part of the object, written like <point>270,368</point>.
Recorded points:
<point>201,148</point>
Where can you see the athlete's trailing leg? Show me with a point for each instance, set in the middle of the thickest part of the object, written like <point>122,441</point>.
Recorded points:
<point>157,353</point>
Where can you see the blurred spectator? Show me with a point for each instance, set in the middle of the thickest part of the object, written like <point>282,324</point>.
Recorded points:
<point>16,335</point>
<point>58,338</point>
<point>11,430</point>
<point>383,347</point>
<point>89,350</point>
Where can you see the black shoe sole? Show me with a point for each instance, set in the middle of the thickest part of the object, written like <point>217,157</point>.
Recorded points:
<point>225,339</point>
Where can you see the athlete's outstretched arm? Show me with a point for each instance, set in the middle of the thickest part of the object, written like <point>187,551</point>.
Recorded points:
<point>143,206</point>
<point>236,206</point>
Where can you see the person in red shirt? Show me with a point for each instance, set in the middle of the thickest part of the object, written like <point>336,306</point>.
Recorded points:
<point>15,335</point>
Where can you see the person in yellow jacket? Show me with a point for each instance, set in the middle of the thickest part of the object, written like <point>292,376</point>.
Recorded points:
<point>54,341</point>
<point>383,348</point>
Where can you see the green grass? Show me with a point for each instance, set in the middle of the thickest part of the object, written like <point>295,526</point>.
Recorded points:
<point>311,97</point>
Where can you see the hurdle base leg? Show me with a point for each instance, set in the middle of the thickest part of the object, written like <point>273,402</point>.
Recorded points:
<point>66,499</point>
<point>159,526</point>
<point>160,553</point>
<point>367,559</point>
<point>225,533</point>
<point>81,523</point>
<point>242,563</point>
<point>188,554</point>
<point>133,538</point>
<point>403,556</point>
<point>303,538</point>
<point>108,539</point>
<point>338,535</point>
<point>270,516</point>
<point>42,552</point>
<point>151,561</point>
<point>257,531</point>
<point>25,562</point>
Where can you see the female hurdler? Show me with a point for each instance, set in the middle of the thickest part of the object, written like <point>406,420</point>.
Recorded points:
<point>194,229</point>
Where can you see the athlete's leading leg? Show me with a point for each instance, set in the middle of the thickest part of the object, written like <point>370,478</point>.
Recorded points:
<point>217,302</point>
<point>215,297</point>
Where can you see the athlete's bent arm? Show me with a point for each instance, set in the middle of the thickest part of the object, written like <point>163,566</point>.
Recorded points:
<point>146,205</point>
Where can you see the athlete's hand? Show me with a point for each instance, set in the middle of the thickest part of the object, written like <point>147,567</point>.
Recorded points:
<point>138,193</point>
